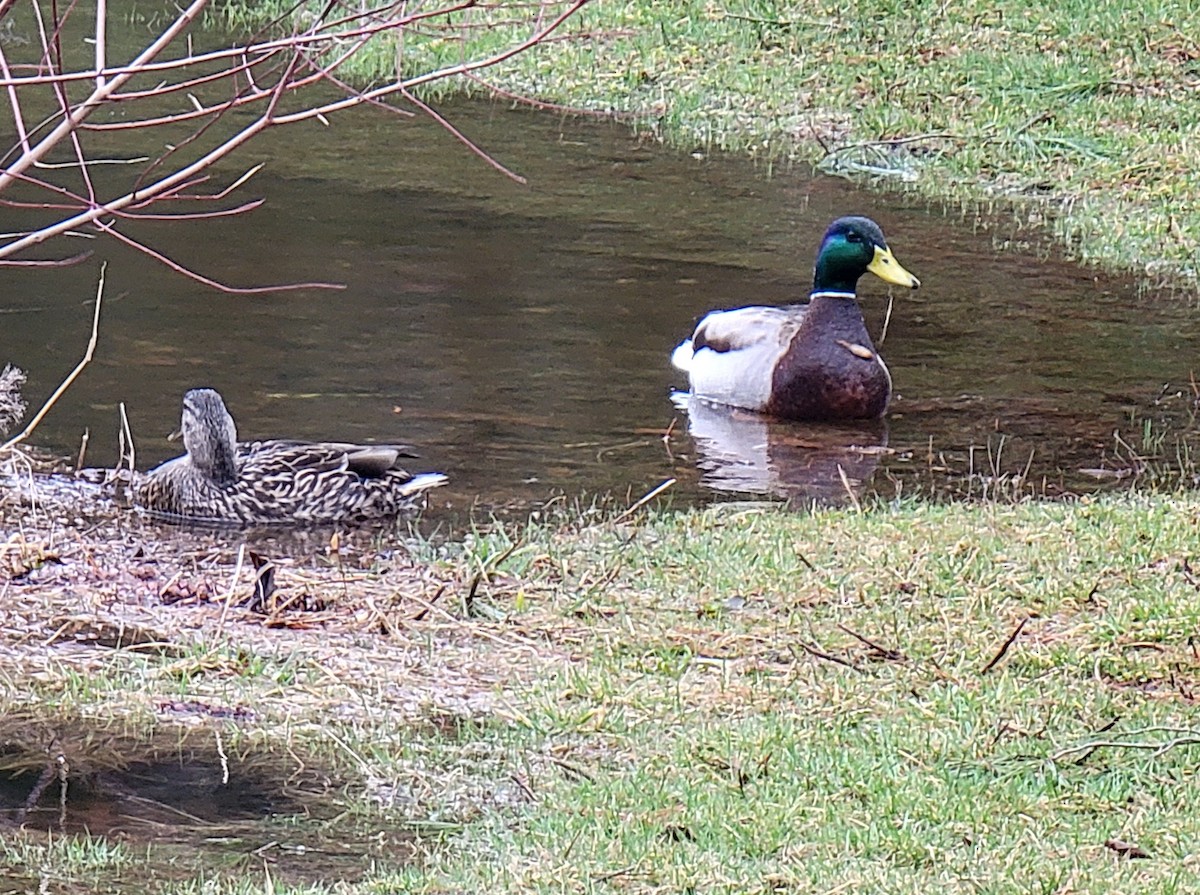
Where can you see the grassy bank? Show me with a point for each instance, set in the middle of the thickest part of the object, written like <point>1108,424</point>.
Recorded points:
<point>911,699</point>
<point>1087,114</point>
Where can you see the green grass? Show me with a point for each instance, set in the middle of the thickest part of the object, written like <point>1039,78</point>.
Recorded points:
<point>41,862</point>
<point>1084,114</point>
<point>680,703</point>
<point>722,756</point>
<point>78,859</point>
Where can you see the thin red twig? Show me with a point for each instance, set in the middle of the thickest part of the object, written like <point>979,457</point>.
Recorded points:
<point>268,76</point>
<point>207,281</point>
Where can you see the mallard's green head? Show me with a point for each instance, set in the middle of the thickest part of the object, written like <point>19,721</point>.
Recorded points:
<point>851,247</point>
<point>209,435</point>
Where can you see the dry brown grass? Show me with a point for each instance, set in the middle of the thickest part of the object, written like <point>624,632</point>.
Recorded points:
<point>126,615</point>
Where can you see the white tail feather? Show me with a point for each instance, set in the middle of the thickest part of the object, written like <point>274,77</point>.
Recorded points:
<point>681,357</point>
<point>422,482</point>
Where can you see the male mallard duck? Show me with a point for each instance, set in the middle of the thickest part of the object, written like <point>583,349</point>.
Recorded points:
<point>805,362</point>
<point>221,482</point>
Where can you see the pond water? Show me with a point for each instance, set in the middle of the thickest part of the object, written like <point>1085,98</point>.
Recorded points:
<point>183,807</point>
<point>519,335</point>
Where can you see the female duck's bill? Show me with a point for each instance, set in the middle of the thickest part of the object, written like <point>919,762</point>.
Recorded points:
<point>221,481</point>
<point>814,361</point>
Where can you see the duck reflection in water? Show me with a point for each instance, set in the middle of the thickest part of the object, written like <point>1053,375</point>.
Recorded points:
<point>805,463</point>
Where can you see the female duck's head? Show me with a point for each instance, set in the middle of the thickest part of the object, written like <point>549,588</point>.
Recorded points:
<point>209,435</point>
<point>851,247</point>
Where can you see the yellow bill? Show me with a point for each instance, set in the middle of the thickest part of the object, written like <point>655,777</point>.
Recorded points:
<point>888,269</point>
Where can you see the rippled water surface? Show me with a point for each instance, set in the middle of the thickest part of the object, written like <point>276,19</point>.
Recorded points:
<point>519,334</point>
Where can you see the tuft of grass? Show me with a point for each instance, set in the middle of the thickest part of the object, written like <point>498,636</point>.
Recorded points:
<point>62,863</point>
<point>1084,115</point>
<point>79,854</point>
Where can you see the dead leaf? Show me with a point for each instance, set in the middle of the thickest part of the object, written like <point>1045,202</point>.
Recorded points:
<point>1126,849</point>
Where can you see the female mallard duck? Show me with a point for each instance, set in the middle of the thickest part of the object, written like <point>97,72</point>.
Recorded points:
<point>221,482</point>
<point>804,362</point>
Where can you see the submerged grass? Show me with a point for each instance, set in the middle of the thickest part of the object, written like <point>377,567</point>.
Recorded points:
<point>1085,113</point>
<point>736,699</point>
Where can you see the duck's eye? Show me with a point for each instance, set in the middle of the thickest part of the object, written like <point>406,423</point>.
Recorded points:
<point>853,237</point>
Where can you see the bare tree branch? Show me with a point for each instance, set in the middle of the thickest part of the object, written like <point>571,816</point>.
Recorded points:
<point>167,85</point>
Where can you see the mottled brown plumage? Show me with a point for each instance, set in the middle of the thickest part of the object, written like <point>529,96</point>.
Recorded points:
<point>221,482</point>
